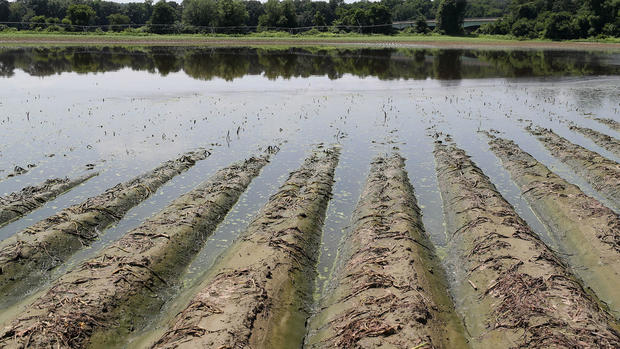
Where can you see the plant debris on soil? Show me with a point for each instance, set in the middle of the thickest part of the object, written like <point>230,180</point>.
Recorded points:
<point>30,198</point>
<point>587,230</point>
<point>602,173</point>
<point>110,295</point>
<point>18,170</point>
<point>27,256</point>
<point>391,289</point>
<point>613,124</point>
<point>258,295</point>
<point>514,292</point>
<point>607,142</point>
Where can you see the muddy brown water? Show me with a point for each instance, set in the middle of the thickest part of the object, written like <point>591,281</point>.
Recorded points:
<point>125,110</point>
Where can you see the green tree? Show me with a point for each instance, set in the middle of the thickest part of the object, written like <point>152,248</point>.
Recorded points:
<point>38,22</point>
<point>255,10</point>
<point>5,10</point>
<point>231,13</point>
<point>80,14</point>
<point>139,13</point>
<point>450,16</point>
<point>558,26</point>
<point>200,12</point>
<point>278,14</point>
<point>118,21</point>
<point>421,26</point>
<point>319,20</point>
<point>163,17</point>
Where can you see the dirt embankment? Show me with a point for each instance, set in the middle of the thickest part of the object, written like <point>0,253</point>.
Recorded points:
<point>30,198</point>
<point>587,230</point>
<point>613,124</point>
<point>110,295</point>
<point>391,289</point>
<point>26,256</point>
<point>370,41</point>
<point>514,292</point>
<point>603,174</point>
<point>603,140</point>
<point>259,293</point>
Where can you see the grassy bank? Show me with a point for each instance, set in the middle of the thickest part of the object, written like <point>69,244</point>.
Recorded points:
<point>283,38</point>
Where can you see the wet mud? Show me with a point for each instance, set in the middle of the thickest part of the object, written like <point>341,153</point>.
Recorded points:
<point>602,173</point>
<point>613,124</point>
<point>604,141</point>
<point>27,256</point>
<point>30,198</point>
<point>259,293</point>
<point>391,290</point>
<point>512,291</point>
<point>109,296</point>
<point>585,229</point>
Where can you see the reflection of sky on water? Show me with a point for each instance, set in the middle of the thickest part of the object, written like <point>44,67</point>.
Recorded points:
<point>128,121</point>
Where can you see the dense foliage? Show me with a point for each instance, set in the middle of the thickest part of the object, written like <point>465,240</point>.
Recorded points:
<point>450,16</point>
<point>559,19</point>
<point>235,16</point>
<point>553,19</point>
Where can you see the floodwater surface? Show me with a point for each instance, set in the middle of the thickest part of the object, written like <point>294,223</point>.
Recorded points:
<point>126,110</point>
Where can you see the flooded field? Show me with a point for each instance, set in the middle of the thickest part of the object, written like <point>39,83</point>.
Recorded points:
<point>289,197</point>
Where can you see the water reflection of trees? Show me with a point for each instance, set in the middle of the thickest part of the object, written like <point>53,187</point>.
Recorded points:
<point>230,63</point>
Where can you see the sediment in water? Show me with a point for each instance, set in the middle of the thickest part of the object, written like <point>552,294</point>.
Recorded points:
<point>30,198</point>
<point>109,296</point>
<point>587,230</point>
<point>258,295</point>
<point>390,290</point>
<point>513,291</point>
<point>613,124</point>
<point>27,256</point>
<point>602,173</point>
<point>605,141</point>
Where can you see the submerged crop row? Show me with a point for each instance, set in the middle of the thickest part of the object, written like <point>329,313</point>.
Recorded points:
<point>388,287</point>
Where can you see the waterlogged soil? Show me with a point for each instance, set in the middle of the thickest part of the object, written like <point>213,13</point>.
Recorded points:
<point>608,142</point>
<point>390,289</point>
<point>28,255</point>
<point>30,198</point>
<point>588,231</point>
<point>260,291</point>
<point>124,110</point>
<point>613,124</point>
<point>111,294</point>
<point>602,173</point>
<point>514,291</point>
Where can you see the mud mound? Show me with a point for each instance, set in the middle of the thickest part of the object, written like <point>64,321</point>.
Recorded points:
<point>613,124</point>
<point>390,289</point>
<point>515,292</point>
<point>603,174</point>
<point>110,295</point>
<point>27,256</point>
<point>588,231</point>
<point>30,198</point>
<point>258,294</point>
<point>603,140</point>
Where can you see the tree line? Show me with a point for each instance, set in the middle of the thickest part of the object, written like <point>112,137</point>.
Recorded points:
<point>240,16</point>
<point>559,19</point>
